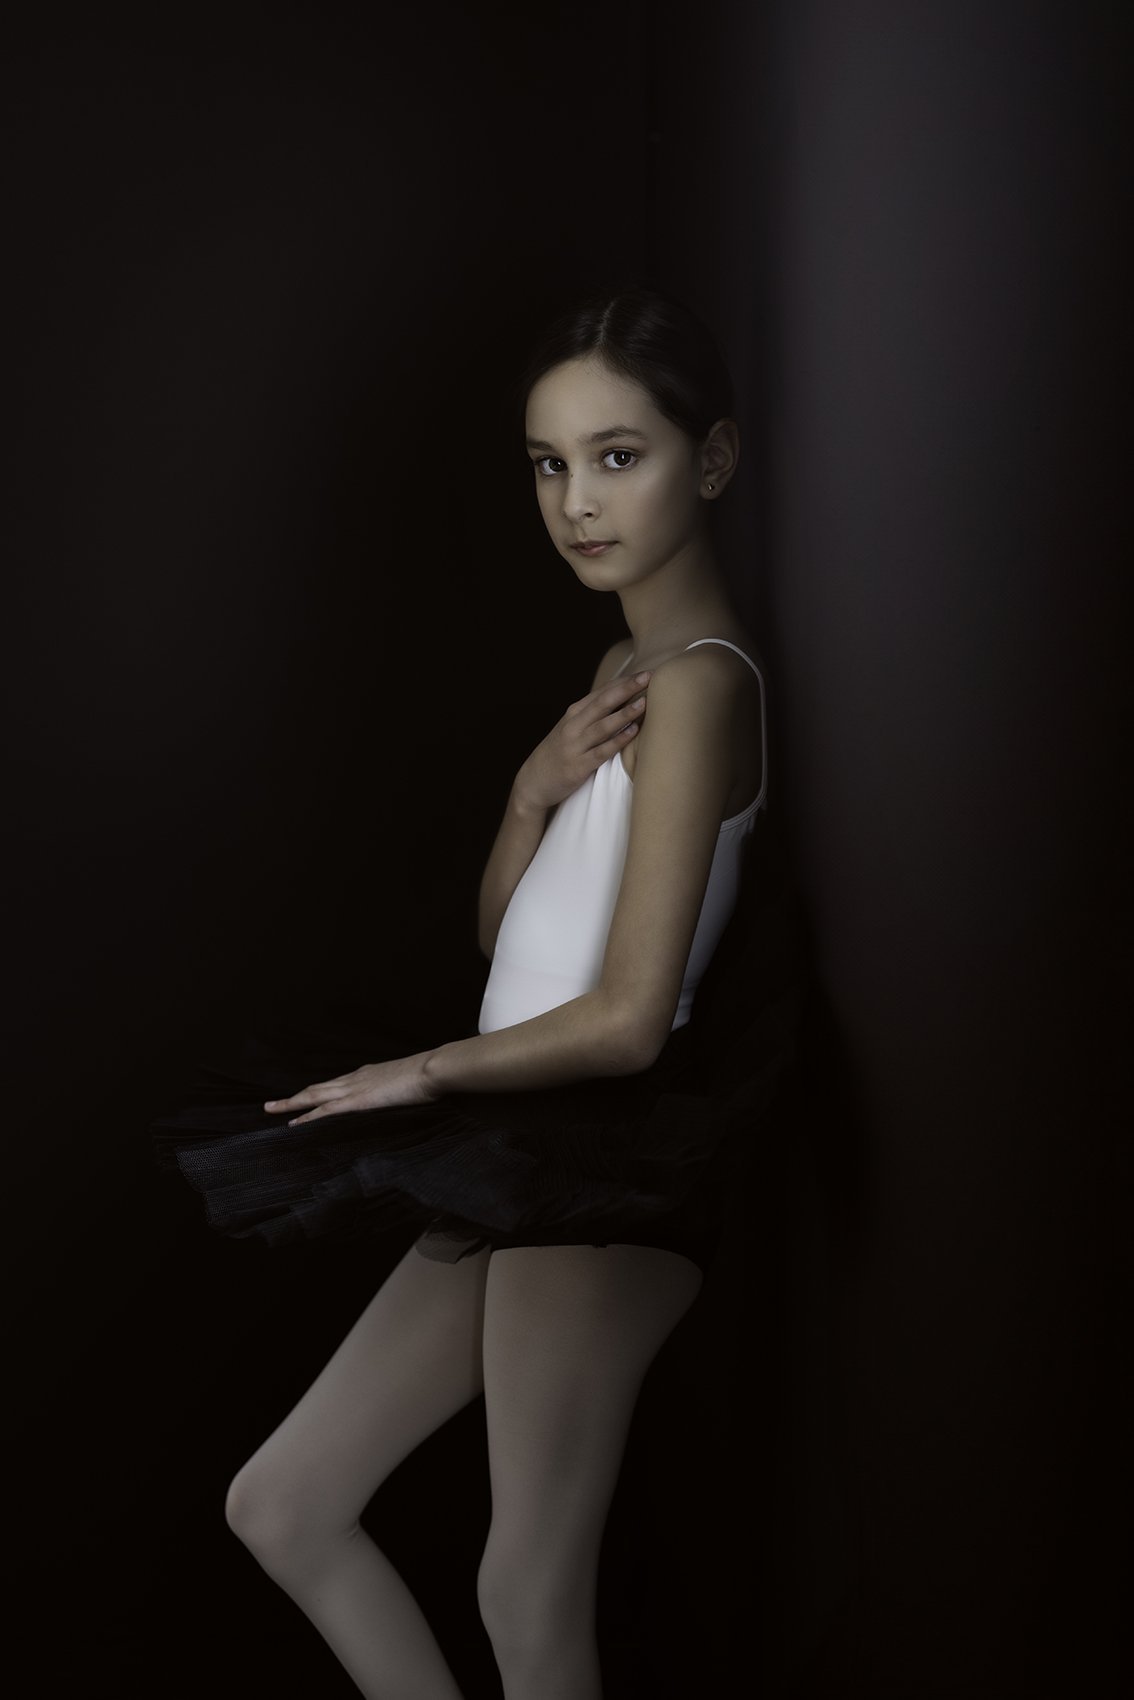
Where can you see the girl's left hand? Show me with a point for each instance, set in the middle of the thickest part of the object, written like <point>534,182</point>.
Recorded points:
<point>375,1086</point>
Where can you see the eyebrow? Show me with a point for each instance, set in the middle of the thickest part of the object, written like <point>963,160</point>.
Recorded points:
<point>603,436</point>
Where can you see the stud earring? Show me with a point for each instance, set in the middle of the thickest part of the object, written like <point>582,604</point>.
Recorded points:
<point>711,486</point>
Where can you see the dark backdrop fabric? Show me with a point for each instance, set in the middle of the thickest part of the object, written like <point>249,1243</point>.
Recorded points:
<point>269,522</point>
<point>921,206</point>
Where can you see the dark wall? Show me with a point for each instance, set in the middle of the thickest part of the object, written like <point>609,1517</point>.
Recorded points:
<point>916,258</point>
<point>270,285</point>
<point>272,517</point>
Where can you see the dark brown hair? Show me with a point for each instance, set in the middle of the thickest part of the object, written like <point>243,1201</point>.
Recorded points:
<point>648,337</point>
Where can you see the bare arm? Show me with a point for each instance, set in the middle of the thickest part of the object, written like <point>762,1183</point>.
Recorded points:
<point>588,734</point>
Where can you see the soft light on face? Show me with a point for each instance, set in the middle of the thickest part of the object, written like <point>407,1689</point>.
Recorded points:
<point>612,473</point>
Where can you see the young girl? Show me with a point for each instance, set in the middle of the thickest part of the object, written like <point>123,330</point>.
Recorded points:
<point>564,1162</point>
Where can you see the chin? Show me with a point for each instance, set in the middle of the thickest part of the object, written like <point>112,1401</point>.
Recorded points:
<point>600,581</point>
<point>589,572</point>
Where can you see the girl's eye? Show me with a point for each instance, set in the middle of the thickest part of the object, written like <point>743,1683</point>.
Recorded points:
<point>615,460</point>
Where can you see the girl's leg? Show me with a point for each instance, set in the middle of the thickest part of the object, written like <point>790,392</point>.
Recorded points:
<point>569,1334</point>
<point>411,1360</point>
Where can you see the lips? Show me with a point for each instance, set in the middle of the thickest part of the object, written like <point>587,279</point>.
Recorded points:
<point>596,547</point>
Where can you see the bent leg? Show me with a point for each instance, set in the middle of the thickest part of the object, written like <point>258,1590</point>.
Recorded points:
<point>409,1363</point>
<point>569,1334</point>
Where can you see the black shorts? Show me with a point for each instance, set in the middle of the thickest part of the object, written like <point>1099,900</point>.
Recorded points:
<point>691,1230</point>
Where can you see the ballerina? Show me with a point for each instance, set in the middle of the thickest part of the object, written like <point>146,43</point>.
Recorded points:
<point>566,1217</point>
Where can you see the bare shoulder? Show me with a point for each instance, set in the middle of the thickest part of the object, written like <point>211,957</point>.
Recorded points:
<point>691,696</point>
<point>703,705</point>
<point>721,651</point>
<point>708,665</point>
<point>699,688</point>
<point>615,657</point>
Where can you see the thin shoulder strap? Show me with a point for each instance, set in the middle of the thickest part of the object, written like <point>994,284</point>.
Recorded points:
<point>763,708</point>
<point>728,645</point>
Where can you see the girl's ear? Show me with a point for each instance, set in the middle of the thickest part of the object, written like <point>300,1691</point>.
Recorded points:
<point>719,456</point>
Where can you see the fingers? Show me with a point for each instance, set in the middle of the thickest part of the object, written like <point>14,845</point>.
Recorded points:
<point>614,713</point>
<point>327,1102</point>
<point>317,1094</point>
<point>335,1108</point>
<point>613,730</point>
<point>608,696</point>
<point>621,719</point>
<point>611,746</point>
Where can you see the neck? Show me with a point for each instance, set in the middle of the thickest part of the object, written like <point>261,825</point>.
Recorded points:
<point>676,605</point>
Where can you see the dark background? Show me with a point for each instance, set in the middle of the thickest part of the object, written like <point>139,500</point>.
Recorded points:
<point>283,623</point>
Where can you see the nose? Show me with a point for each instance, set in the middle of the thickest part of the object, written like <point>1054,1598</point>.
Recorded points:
<point>580,501</point>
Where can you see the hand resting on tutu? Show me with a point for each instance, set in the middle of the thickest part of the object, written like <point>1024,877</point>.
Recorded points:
<point>375,1086</point>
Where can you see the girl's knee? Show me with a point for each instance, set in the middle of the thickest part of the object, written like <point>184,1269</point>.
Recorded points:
<point>260,1515</point>
<point>532,1604</point>
<point>282,1528</point>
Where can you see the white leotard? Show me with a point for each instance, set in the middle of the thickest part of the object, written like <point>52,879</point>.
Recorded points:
<point>552,937</point>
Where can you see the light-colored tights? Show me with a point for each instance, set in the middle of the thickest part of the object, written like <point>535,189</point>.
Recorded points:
<point>559,1339</point>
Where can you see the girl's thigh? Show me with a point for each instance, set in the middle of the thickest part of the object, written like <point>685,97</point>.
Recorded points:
<point>411,1361</point>
<point>569,1332</point>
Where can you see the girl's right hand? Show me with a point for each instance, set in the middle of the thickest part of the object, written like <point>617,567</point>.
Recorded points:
<point>591,731</point>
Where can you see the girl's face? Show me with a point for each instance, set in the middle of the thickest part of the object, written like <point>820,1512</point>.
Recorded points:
<point>618,483</point>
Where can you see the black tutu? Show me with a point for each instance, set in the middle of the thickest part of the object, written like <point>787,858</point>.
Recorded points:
<point>642,1158</point>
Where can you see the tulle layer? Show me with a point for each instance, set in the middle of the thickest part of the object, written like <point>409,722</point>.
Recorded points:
<point>605,1157</point>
